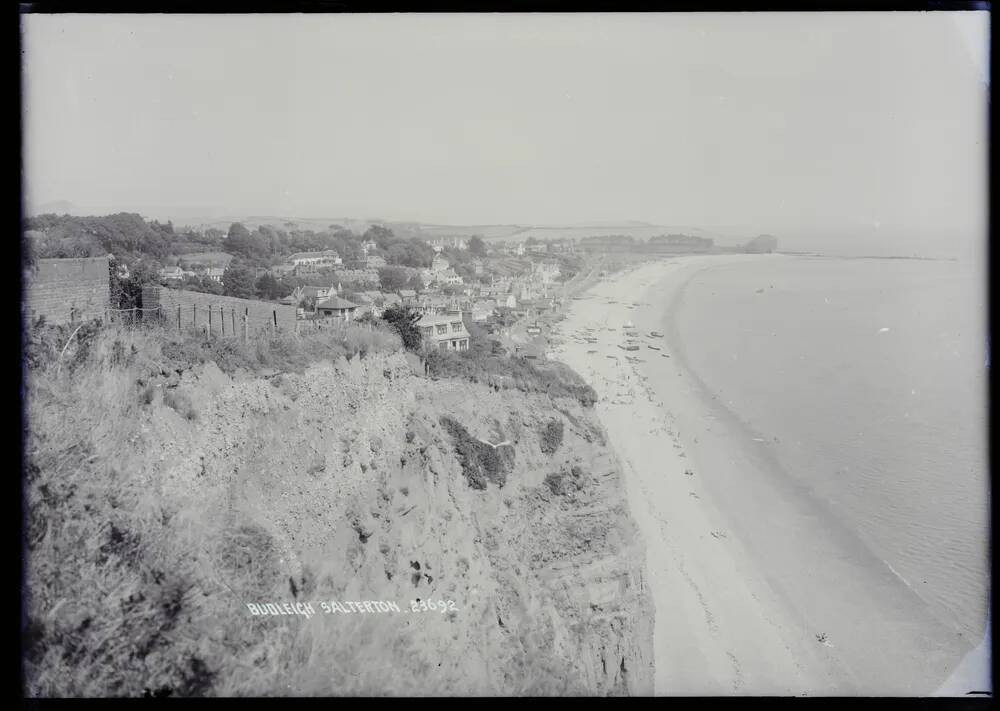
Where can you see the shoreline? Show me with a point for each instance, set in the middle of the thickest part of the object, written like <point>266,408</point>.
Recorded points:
<point>758,588</point>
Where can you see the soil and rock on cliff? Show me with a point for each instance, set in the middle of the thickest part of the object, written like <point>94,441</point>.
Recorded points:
<point>355,480</point>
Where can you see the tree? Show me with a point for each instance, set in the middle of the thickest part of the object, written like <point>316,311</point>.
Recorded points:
<point>415,282</point>
<point>392,278</point>
<point>267,287</point>
<point>404,320</point>
<point>477,247</point>
<point>237,240</point>
<point>238,280</point>
<point>381,236</point>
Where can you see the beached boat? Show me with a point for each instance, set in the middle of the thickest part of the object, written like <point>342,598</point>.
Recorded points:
<point>655,334</point>
<point>655,348</point>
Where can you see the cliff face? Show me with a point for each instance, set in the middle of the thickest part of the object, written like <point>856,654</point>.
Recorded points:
<point>344,484</point>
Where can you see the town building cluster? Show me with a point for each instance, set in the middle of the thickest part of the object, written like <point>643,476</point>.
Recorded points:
<point>446,301</point>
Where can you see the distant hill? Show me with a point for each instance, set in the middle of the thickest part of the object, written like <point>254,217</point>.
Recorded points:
<point>56,207</point>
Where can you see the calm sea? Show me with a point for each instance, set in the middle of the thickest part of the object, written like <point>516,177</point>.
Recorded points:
<point>871,374</point>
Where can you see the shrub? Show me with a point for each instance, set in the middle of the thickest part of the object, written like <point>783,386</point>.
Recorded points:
<point>550,377</point>
<point>554,482</point>
<point>479,461</point>
<point>552,436</point>
<point>283,351</point>
<point>181,403</point>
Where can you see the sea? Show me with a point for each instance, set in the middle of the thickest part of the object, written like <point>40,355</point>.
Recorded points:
<point>868,378</point>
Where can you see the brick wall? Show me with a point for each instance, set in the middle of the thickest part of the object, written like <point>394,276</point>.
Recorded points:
<point>65,290</point>
<point>194,308</point>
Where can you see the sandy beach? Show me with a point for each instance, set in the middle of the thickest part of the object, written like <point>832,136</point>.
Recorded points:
<point>759,589</point>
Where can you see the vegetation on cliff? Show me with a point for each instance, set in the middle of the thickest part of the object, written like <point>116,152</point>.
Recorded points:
<point>170,481</point>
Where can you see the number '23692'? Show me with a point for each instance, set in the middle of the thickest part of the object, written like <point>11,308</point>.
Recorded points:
<point>433,605</point>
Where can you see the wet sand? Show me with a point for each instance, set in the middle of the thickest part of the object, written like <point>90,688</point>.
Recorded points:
<point>759,589</point>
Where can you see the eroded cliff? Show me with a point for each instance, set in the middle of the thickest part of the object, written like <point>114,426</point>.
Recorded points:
<point>349,482</point>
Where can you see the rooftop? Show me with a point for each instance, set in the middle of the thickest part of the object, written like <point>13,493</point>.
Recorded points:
<point>335,302</point>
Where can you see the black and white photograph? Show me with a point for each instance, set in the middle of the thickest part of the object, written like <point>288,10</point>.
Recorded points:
<point>505,354</point>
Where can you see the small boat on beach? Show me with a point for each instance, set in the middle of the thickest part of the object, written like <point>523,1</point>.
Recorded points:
<point>655,348</point>
<point>655,334</point>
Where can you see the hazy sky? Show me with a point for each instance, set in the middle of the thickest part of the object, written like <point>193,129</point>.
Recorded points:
<point>812,124</point>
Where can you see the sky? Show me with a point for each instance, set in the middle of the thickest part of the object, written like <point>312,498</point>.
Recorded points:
<point>862,128</point>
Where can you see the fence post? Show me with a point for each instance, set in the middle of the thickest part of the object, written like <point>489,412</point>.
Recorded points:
<point>194,315</point>
<point>233,312</point>
<point>222,320</point>
<point>246,326</point>
<point>210,322</point>
<point>274,313</point>
<point>178,318</point>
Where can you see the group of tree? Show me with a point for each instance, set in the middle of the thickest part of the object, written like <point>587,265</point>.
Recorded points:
<point>130,238</point>
<point>394,278</point>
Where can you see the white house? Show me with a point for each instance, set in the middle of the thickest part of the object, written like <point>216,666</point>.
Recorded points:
<point>336,307</point>
<point>213,273</point>
<point>444,331</point>
<point>316,260</point>
<point>171,273</point>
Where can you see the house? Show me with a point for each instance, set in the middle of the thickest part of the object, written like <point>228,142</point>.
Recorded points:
<point>537,248</point>
<point>444,331</point>
<point>439,243</point>
<point>316,260</point>
<point>435,303</point>
<point>213,273</point>
<point>478,267</point>
<point>318,293</point>
<point>408,296</point>
<point>368,246</point>
<point>359,278</point>
<point>336,307</point>
<point>375,262</point>
<point>171,274</point>
<point>294,298</point>
<point>449,276</point>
